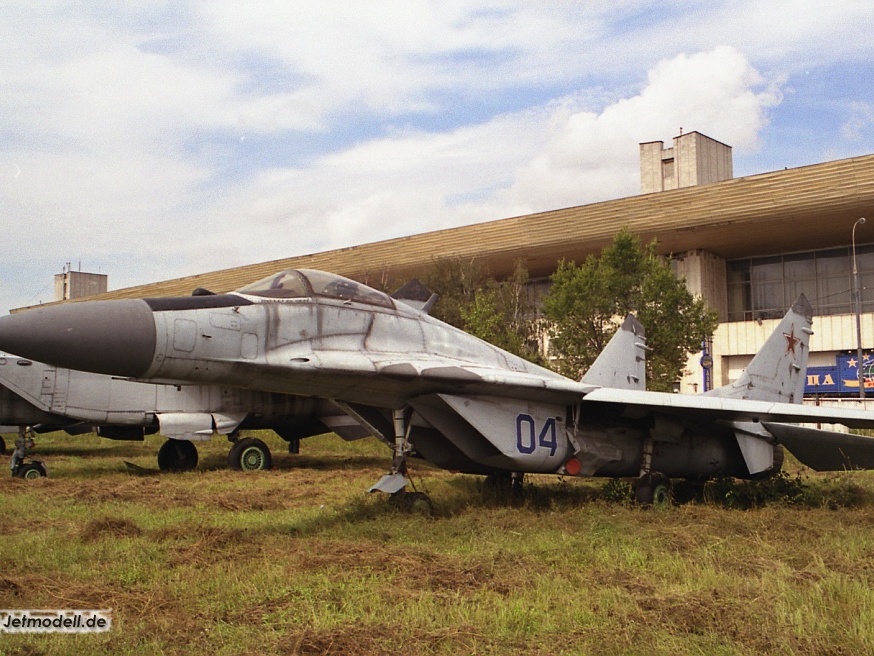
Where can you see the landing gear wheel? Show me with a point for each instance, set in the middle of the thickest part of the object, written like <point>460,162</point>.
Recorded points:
<point>31,471</point>
<point>250,454</point>
<point>653,489</point>
<point>177,456</point>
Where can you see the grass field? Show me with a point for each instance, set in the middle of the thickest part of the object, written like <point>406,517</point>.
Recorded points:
<point>300,560</point>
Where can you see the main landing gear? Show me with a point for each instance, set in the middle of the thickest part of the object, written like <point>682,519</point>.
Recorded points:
<point>177,456</point>
<point>20,467</point>
<point>246,454</point>
<point>249,454</point>
<point>652,488</point>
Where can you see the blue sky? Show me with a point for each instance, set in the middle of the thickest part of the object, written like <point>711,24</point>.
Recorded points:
<point>154,140</point>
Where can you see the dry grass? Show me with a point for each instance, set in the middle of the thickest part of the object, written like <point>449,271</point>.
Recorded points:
<point>301,561</point>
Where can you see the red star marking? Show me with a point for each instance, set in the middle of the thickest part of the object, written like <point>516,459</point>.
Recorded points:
<point>791,342</point>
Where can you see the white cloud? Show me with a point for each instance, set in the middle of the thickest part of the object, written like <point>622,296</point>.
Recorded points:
<point>550,157</point>
<point>860,122</point>
<point>594,156</point>
<point>120,126</point>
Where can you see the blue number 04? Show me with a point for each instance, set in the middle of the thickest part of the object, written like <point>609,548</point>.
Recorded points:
<point>526,429</point>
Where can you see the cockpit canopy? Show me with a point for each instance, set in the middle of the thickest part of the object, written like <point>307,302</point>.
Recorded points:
<point>304,283</point>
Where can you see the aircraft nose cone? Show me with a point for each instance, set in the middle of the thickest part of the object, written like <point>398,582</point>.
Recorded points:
<point>106,337</point>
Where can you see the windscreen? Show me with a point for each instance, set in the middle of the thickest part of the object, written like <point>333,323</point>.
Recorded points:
<point>296,283</point>
<point>288,284</point>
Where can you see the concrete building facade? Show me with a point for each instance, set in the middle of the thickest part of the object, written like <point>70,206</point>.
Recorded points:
<point>77,284</point>
<point>694,159</point>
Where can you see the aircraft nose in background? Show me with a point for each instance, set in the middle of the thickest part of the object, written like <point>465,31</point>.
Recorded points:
<point>106,337</point>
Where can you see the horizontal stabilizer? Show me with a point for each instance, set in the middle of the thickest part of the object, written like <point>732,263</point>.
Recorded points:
<point>824,450</point>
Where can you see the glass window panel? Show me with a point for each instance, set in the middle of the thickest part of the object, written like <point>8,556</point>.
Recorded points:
<point>796,287</point>
<point>767,270</point>
<point>834,295</point>
<point>738,271</point>
<point>798,266</point>
<point>764,287</point>
<point>866,281</point>
<point>768,299</point>
<point>865,259</point>
<point>832,262</point>
<point>867,300</point>
<point>738,301</point>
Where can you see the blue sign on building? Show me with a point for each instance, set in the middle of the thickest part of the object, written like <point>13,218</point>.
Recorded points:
<point>842,378</point>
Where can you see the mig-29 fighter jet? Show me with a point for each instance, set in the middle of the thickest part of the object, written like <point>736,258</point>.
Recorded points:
<point>426,387</point>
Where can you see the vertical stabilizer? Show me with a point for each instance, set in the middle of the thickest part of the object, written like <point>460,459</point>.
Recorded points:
<point>622,363</point>
<point>777,372</point>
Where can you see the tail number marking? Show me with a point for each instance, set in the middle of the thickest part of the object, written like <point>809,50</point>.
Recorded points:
<point>526,430</point>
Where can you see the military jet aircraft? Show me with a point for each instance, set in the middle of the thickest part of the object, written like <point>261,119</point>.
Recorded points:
<point>428,388</point>
<point>48,398</point>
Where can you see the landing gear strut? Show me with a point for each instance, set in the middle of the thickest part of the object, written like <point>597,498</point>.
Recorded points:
<point>19,466</point>
<point>396,480</point>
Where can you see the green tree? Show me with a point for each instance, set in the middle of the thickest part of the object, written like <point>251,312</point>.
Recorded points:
<point>456,282</point>
<point>587,302</point>
<point>499,312</point>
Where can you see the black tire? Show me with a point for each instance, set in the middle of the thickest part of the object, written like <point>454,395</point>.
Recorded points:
<point>250,454</point>
<point>31,471</point>
<point>653,489</point>
<point>2,447</point>
<point>177,456</point>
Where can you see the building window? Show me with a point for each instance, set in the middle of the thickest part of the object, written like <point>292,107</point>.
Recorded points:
<point>764,287</point>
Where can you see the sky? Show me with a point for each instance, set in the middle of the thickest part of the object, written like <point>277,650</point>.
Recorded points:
<point>150,140</point>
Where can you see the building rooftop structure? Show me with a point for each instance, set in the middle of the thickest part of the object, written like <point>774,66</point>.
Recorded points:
<point>782,211</point>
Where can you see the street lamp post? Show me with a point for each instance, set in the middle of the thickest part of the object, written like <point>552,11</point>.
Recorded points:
<point>857,295</point>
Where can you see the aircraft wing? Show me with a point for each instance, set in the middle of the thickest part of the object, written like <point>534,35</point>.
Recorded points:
<point>640,404</point>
